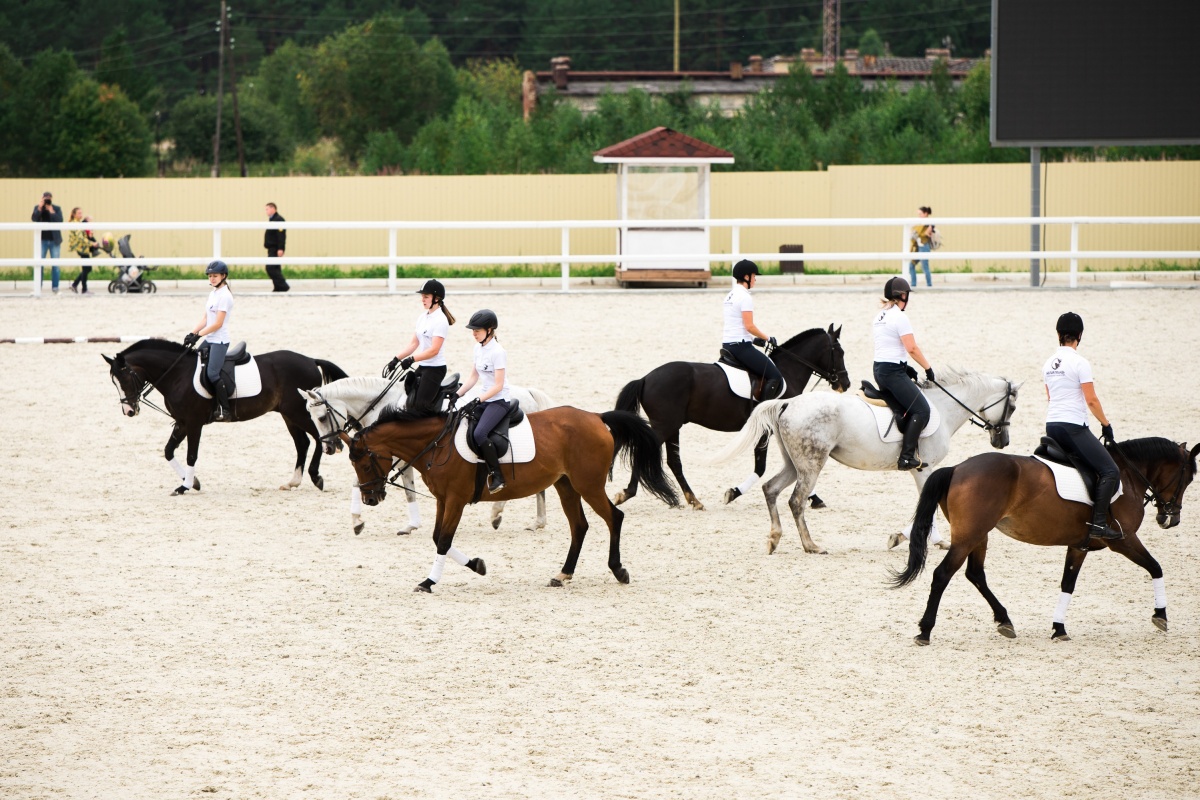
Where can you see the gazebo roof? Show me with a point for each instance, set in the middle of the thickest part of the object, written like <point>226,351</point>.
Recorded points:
<point>663,146</point>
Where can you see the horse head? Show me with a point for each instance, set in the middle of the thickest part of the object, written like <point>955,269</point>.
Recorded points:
<point>989,402</point>
<point>128,382</point>
<point>820,352</point>
<point>372,478</point>
<point>1177,477</point>
<point>1000,418</point>
<point>838,361</point>
<point>325,418</point>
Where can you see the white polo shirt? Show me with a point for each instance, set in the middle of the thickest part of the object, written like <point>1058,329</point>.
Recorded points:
<point>219,299</point>
<point>737,301</point>
<point>890,324</point>
<point>489,358</point>
<point>1065,373</point>
<point>432,324</point>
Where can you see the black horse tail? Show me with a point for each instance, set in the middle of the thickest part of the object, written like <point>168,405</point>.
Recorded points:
<point>918,541</point>
<point>634,439</point>
<point>330,372</point>
<point>631,396</point>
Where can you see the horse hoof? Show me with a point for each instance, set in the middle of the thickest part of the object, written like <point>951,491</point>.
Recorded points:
<point>1059,637</point>
<point>815,502</point>
<point>555,582</point>
<point>196,484</point>
<point>622,575</point>
<point>477,566</point>
<point>179,490</point>
<point>942,544</point>
<point>496,523</point>
<point>405,531</point>
<point>619,498</point>
<point>894,541</point>
<point>1006,630</point>
<point>732,494</point>
<point>1159,623</point>
<point>319,482</point>
<point>359,528</point>
<point>772,543</point>
<point>921,640</point>
<point>425,586</point>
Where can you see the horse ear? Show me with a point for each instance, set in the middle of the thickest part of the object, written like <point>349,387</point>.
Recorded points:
<point>307,394</point>
<point>106,358</point>
<point>1194,450</point>
<point>836,334</point>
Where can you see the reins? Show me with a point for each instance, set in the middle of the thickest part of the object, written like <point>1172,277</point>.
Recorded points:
<point>829,376</point>
<point>976,417</point>
<point>1151,494</point>
<point>144,392</point>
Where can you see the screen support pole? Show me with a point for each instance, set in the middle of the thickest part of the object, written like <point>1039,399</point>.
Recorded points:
<point>1035,210</point>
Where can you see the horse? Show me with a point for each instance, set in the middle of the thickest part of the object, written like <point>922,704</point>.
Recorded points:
<point>168,367</point>
<point>680,392</point>
<point>575,451</point>
<point>1017,495</point>
<point>817,426</point>
<point>358,401</point>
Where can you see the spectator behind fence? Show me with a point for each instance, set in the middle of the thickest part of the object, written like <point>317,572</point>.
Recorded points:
<point>922,237</point>
<point>84,245</point>
<point>275,241</point>
<point>46,211</point>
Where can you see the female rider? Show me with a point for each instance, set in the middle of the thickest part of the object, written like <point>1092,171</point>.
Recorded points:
<point>739,332</point>
<point>433,325</point>
<point>214,328</point>
<point>490,366</point>
<point>1071,393</point>
<point>894,344</point>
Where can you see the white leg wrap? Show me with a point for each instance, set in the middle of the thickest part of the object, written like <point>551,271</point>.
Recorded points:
<point>1060,611</point>
<point>414,513</point>
<point>355,500</point>
<point>935,535</point>
<point>459,557</point>
<point>189,477</point>
<point>745,486</point>
<point>1160,593</point>
<point>439,564</point>
<point>175,465</point>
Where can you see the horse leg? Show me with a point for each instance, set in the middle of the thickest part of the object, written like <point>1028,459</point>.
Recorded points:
<point>572,505</point>
<point>1071,568</point>
<point>976,576</point>
<point>414,508</point>
<point>314,466</point>
<point>628,493</point>
<point>797,502</point>
<point>193,451</point>
<point>356,510</point>
<point>448,517</point>
<point>1132,548</point>
<point>760,466</point>
<point>539,522</point>
<point>935,536</point>
<point>614,518</point>
<point>177,436</point>
<point>676,465</point>
<point>300,438</point>
<point>771,489</point>
<point>941,578</point>
<point>497,514</point>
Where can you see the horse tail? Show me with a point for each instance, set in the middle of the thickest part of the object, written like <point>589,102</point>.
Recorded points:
<point>631,396</point>
<point>634,439</point>
<point>541,399</point>
<point>918,541</point>
<point>764,420</point>
<point>330,372</point>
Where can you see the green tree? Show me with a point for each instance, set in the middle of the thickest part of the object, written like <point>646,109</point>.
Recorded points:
<point>117,68</point>
<point>37,103</point>
<point>278,83</point>
<point>871,43</point>
<point>11,74</point>
<point>264,129</point>
<point>101,133</point>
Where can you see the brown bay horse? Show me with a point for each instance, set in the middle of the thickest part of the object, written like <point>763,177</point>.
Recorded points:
<point>1017,495</point>
<point>575,451</point>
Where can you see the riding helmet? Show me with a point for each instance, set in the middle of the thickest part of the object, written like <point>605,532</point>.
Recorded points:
<point>483,320</point>
<point>435,288</point>
<point>217,267</point>
<point>896,289</point>
<point>743,270</point>
<point>1070,324</point>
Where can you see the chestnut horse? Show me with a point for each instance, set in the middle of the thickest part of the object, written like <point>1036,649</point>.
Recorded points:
<point>1016,494</point>
<point>574,453</point>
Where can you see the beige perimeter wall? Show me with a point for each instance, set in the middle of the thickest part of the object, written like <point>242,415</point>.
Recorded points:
<point>1141,189</point>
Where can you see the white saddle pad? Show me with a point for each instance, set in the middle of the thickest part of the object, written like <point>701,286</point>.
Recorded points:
<point>1070,485</point>
<point>739,381</point>
<point>246,376</point>
<point>885,422</point>
<point>521,449</point>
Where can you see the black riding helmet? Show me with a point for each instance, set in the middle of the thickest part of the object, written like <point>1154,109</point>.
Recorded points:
<point>896,289</point>
<point>483,320</point>
<point>743,270</point>
<point>1070,325</point>
<point>217,267</point>
<point>435,288</point>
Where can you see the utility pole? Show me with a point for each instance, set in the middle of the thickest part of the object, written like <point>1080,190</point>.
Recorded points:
<point>677,35</point>
<point>216,167</point>
<point>237,116</point>
<point>831,40</point>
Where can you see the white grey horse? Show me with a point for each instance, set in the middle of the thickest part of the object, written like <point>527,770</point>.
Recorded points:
<point>331,406</point>
<point>813,427</point>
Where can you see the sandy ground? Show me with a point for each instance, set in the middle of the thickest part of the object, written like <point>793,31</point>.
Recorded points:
<point>242,643</point>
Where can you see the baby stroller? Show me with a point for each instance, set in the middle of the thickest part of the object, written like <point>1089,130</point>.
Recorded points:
<point>132,278</point>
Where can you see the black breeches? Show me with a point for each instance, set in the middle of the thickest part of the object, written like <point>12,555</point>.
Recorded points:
<point>890,376</point>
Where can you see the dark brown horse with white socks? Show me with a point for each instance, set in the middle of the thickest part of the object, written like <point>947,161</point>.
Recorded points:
<point>574,454</point>
<point>1017,495</point>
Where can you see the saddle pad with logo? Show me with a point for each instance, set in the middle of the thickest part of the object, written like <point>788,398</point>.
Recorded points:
<point>521,448</point>
<point>739,381</point>
<point>885,422</point>
<point>246,377</point>
<point>1070,486</point>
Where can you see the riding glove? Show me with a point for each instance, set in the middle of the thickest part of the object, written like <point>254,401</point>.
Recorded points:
<point>771,341</point>
<point>929,374</point>
<point>191,339</point>
<point>757,342</point>
<point>1106,433</point>
<point>910,372</point>
<point>406,362</point>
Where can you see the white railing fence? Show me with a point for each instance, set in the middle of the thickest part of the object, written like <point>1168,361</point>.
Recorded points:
<point>565,258</point>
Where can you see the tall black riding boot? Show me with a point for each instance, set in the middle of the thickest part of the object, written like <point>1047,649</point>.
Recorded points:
<point>495,474</point>
<point>222,397</point>
<point>1098,528</point>
<point>908,449</point>
<point>771,389</point>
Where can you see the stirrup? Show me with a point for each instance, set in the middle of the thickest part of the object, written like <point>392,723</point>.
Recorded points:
<point>495,483</point>
<point>222,414</point>
<point>1103,532</point>
<point>911,462</point>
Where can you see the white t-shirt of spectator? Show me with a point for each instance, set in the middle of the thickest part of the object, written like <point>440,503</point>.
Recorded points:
<point>219,299</point>
<point>737,301</point>
<point>1065,373</point>
<point>890,324</point>
<point>432,324</point>
<point>489,358</point>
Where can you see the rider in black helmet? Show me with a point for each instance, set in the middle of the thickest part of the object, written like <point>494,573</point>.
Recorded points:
<point>739,331</point>
<point>214,329</point>
<point>1071,393</point>
<point>895,343</point>
<point>490,365</point>
<point>425,348</point>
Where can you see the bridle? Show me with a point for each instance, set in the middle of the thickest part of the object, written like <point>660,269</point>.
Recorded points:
<point>828,375</point>
<point>1172,508</point>
<point>142,394</point>
<point>349,423</point>
<point>977,418</point>
<point>379,477</point>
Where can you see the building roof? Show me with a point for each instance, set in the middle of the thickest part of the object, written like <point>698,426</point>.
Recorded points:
<point>663,143</point>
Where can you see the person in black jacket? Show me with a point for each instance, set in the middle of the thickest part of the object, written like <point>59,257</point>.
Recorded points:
<point>275,241</point>
<point>46,211</point>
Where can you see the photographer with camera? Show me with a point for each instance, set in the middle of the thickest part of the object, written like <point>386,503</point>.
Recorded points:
<point>46,211</point>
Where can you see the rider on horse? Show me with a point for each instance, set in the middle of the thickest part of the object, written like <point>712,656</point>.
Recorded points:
<point>740,331</point>
<point>490,365</point>
<point>894,343</point>
<point>433,326</point>
<point>214,328</point>
<point>1071,393</point>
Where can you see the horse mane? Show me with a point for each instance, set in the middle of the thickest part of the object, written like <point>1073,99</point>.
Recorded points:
<point>397,414</point>
<point>1148,450</point>
<point>958,375</point>
<point>802,336</point>
<point>359,384</point>
<point>164,345</point>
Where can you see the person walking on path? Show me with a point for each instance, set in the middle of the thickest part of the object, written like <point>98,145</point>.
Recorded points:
<point>82,244</point>
<point>275,241</point>
<point>922,242</point>
<point>46,211</point>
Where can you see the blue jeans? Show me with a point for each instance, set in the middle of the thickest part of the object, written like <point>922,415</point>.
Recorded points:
<point>912,268</point>
<point>53,248</point>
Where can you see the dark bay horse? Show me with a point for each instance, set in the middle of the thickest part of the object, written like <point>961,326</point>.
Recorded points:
<point>684,391</point>
<point>1016,494</point>
<point>574,453</point>
<point>168,368</point>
